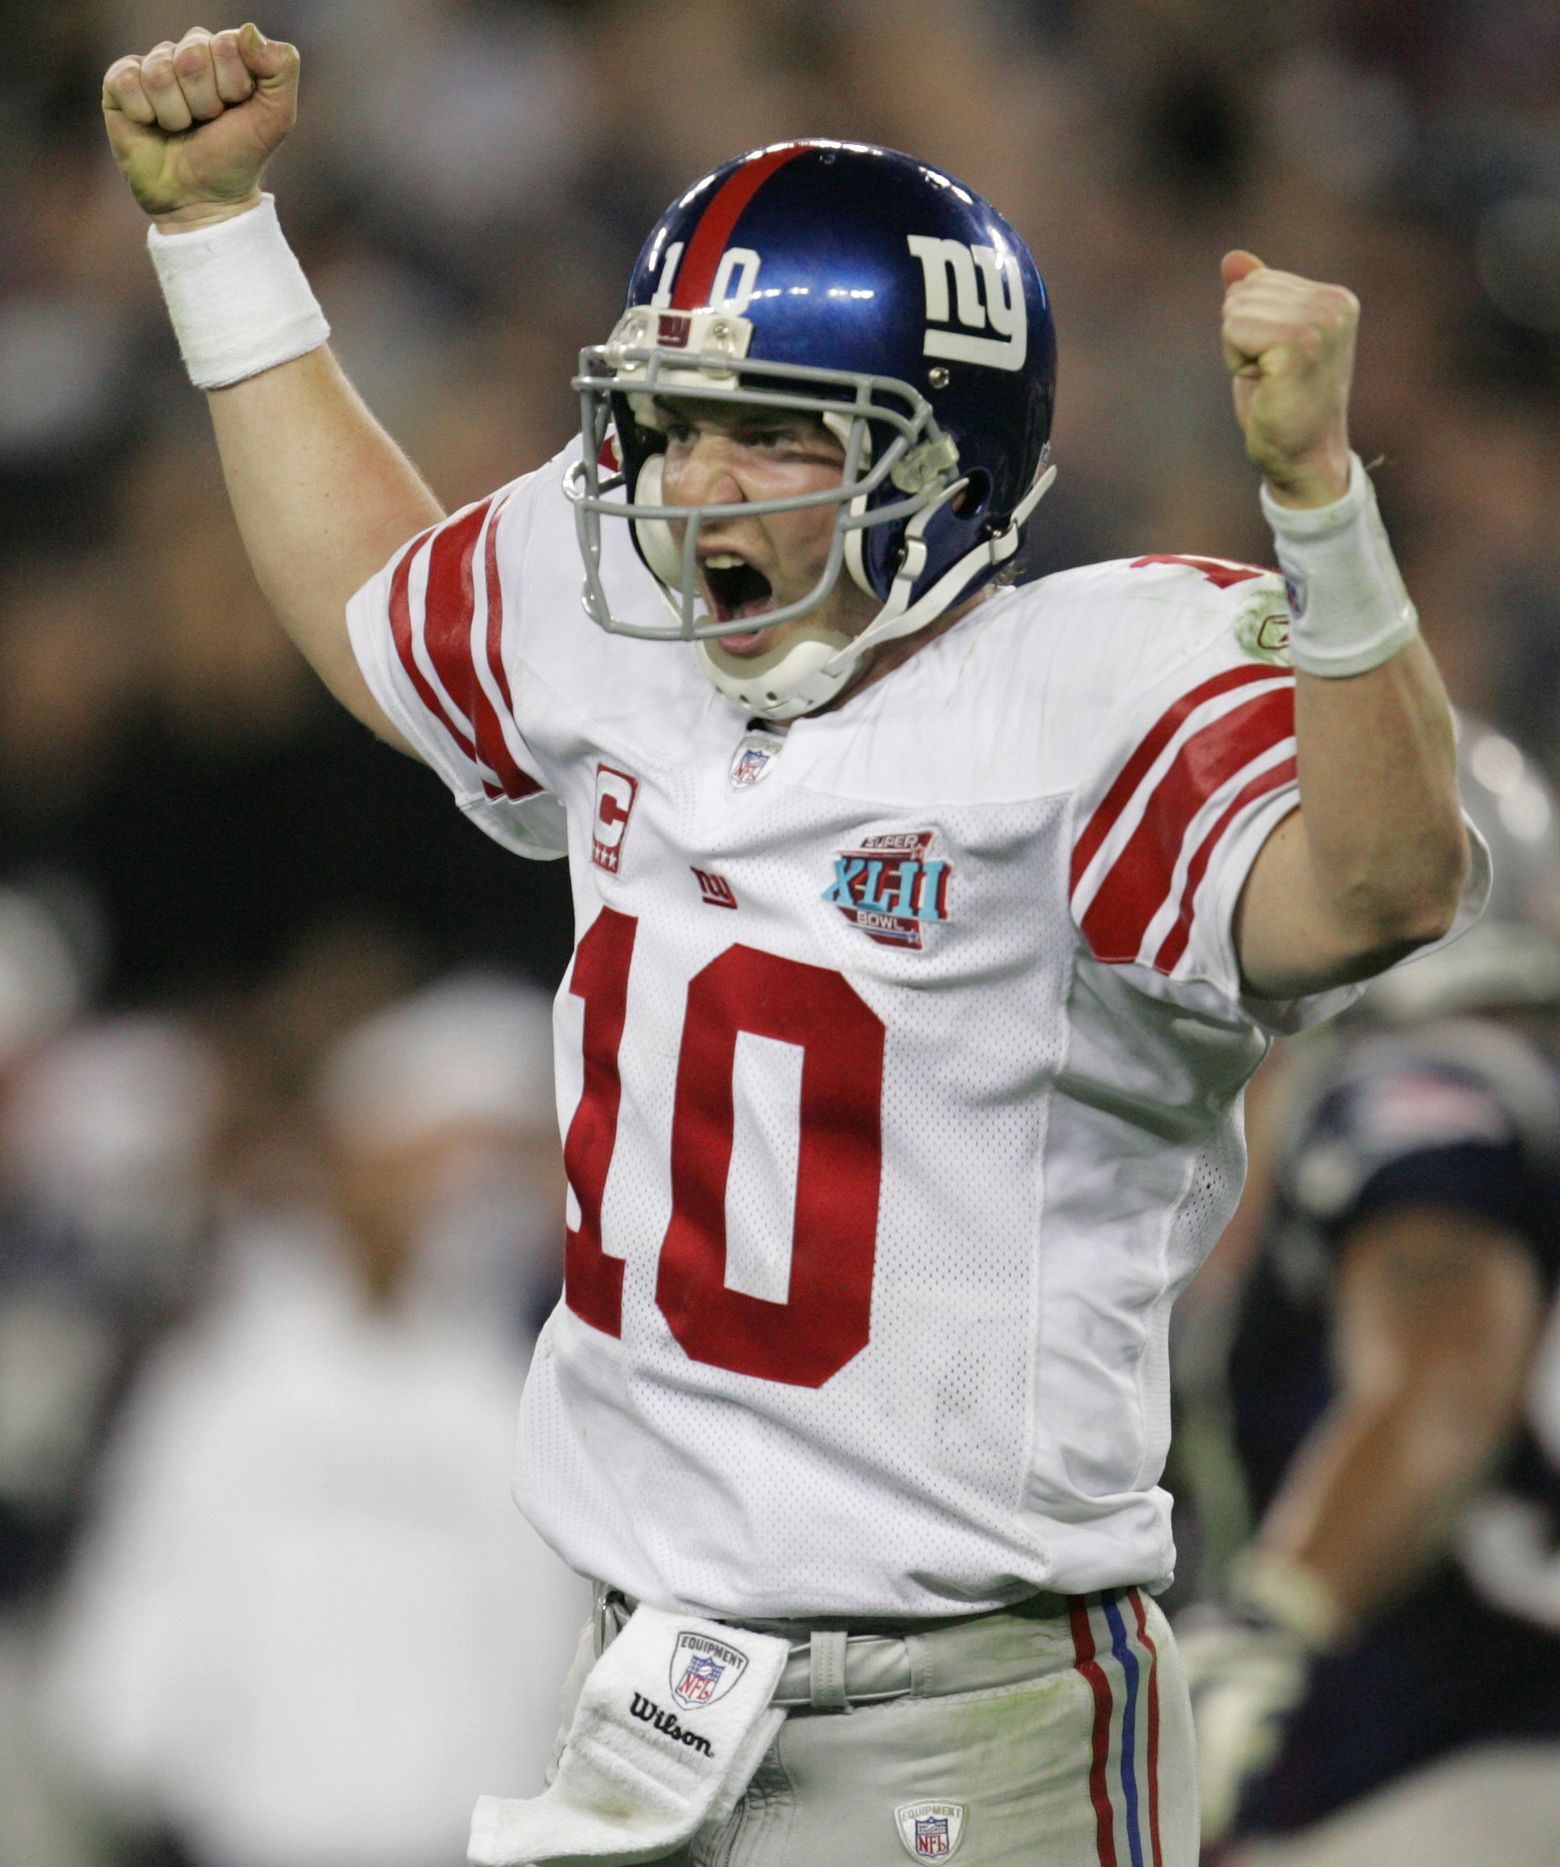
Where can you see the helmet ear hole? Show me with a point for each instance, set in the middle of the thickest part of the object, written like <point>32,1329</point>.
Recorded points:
<point>975,498</point>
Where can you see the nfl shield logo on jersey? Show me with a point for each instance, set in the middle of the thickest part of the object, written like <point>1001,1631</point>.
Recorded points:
<point>930,1830</point>
<point>703,1670</point>
<point>756,752</point>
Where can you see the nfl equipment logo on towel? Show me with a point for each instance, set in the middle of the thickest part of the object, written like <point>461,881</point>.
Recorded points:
<point>930,1830</point>
<point>704,1670</point>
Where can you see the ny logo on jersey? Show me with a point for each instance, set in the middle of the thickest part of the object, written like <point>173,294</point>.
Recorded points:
<point>703,1670</point>
<point>988,292</point>
<point>714,890</point>
<point>615,794</point>
<point>890,888</point>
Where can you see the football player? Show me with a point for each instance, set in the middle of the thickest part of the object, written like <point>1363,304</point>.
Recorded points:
<point>928,929</point>
<point>1385,1682</point>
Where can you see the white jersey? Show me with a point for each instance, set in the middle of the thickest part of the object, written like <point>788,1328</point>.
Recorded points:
<point>899,1062</point>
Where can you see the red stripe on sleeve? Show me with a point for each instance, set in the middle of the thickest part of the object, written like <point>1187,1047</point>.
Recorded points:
<point>1131,774</point>
<point>1140,877</point>
<point>1221,576</point>
<point>1153,1723</point>
<point>401,634</point>
<point>447,632</point>
<point>450,603</point>
<point>448,611</point>
<point>495,613</point>
<point>1099,1685</point>
<point>696,274</point>
<point>1174,943</point>
<point>517,783</point>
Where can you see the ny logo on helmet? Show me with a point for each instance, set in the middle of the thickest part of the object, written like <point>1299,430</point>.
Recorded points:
<point>988,290</point>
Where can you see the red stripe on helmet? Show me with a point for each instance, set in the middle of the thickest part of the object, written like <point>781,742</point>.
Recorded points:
<point>696,274</point>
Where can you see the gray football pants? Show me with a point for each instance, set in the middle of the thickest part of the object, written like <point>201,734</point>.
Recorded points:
<point>1053,1734</point>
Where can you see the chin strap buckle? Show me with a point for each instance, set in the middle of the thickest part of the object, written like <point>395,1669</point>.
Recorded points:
<point>923,464</point>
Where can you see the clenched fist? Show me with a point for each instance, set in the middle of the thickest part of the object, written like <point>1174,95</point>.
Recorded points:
<point>193,125</point>
<point>1289,343</point>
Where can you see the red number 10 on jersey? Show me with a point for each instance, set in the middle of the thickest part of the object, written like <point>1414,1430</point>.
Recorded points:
<point>827,1317</point>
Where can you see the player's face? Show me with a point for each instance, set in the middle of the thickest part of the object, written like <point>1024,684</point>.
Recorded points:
<point>720,455</point>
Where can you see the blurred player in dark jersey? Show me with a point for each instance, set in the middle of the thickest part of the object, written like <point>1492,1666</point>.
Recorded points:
<point>1382,1684</point>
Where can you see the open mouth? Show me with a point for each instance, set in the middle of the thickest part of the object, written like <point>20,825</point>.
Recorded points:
<point>734,587</point>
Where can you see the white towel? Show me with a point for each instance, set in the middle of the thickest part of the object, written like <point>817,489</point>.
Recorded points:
<point>672,1723</point>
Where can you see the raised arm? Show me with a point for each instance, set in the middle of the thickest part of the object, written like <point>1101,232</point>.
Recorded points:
<point>1438,1315</point>
<point>321,493</point>
<point>1373,863</point>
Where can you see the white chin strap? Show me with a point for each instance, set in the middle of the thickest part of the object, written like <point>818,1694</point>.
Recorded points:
<point>810,668</point>
<point>790,680</point>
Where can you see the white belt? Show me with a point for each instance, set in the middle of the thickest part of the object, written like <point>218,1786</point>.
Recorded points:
<point>830,1670</point>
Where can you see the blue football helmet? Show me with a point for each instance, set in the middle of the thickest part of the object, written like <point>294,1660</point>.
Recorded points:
<point>877,294</point>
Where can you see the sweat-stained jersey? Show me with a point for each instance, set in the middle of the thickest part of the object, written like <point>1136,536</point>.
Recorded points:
<point>898,1063</point>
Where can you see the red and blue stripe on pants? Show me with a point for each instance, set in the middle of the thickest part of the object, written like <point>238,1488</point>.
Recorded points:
<point>1115,1653</point>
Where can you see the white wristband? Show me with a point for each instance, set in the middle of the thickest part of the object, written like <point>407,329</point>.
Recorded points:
<point>237,297</point>
<point>1348,609</point>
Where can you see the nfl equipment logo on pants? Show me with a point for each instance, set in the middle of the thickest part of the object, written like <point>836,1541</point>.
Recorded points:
<point>930,1830</point>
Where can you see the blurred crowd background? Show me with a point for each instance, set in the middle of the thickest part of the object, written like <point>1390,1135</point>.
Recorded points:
<point>280,1205</point>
